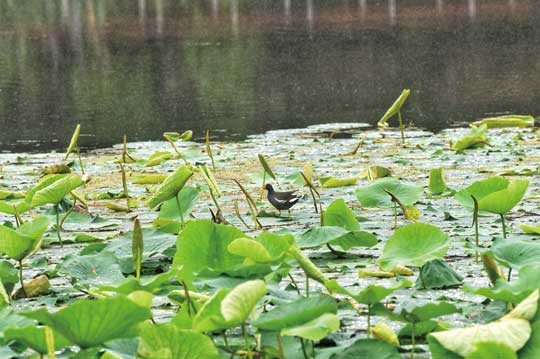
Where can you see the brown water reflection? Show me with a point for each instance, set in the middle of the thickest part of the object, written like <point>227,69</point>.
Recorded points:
<point>241,67</point>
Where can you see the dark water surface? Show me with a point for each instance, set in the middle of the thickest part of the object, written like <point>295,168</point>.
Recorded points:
<point>142,67</point>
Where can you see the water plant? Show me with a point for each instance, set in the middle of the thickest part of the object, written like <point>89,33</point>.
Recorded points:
<point>396,109</point>
<point>74,146</point>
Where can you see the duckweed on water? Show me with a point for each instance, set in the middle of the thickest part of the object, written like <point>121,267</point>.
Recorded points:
<point>179,272</point>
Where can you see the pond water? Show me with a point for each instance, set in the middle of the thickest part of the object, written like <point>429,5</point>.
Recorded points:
<point>242,67</point>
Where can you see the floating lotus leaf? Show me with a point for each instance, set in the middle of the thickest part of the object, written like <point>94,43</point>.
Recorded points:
<point>413,245</point>
<point>505,121</point>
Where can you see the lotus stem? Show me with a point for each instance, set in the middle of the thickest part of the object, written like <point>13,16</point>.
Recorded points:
<point>401,128</point>
<point>395,215</point>
<point>246,340</point>
<point>369,320</point>
<point>295,284</point>
<point>280,346</point>
<point>312,191</point>
<point>359,145</point>
<point>80,159</point>
<point>180,213</point>
<point>475,222</point>
<point>209,149</point>
<point>21,278</point>
<point>18,218</point>
<point>237,212</point>
<point>503,226</point>
<point>422,278</point>
<point>413,339</point>
<point>307,286</point>
<point>68,212</point>
<point>124,184</point>
<point>262,187</point>
<point>190,303</point>
<point>226,341</point>
<point>57,209</point>
<point>303,344</point>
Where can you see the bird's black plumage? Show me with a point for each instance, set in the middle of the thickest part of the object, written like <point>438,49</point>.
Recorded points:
<point>281,200</point>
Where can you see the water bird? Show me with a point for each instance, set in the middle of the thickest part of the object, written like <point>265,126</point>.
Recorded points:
<point>281,200</point>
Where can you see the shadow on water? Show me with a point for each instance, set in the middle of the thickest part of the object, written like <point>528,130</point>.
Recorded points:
<point>242,67</point>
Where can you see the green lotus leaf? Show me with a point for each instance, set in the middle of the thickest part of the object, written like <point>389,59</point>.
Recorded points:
<point>513,330</point>
<point>241,300</point>
<point>336,236</point>
<point>148,178</point>
<point>169,218</point>
<point>20,242</point>
<point>8,275</point>
<point>417,311</point>
<point>437,274</point>
<point>57,190</point>
<point>333,182</point>
<point>266,166</point>
<point>374,194</point>
<point>437,184</point>
<point>158,158</point>
<point>315,329</point>
<point>34,338</point>
<point>526,228</point>
<point>515,291</point>
<point>90,323</point>
<point>370,295</point>
<point>505,121</point>
<point>296,313</point>
<point>414,245</point>
<point>159,341</point>
<point>93,270</point>
<point>20,206</point>
<point>475,138</point>
<point>268,247</point>
<point>492,350</point>
<point>496,194</point>
<point>368,348</point>
<point>156,241</point>
<point>202,247</point>
<point>394,109</point>
<point>339,215</point>
<point>229,308</point>
<point>171,186</point>
<point>516,253</point>
<point>73,142</point>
